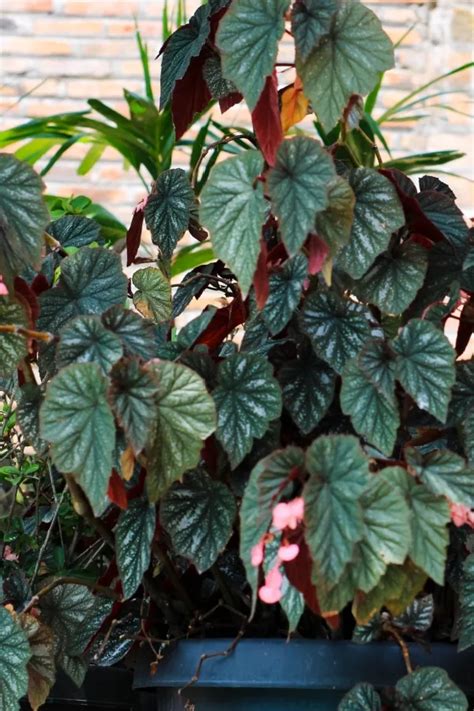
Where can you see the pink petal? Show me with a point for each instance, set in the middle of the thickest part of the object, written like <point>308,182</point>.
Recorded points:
<point>459,514</point>
<point>269,595</point>
<point>281,513</point>
<point>256,554</point>
<point>288,553</point>
<point>297,507</point>
<point>274,578</point>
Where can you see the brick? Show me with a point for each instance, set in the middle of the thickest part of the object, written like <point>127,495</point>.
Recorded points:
<point>28,46</point>
<point>66,67</point>
<point>462,25</point>
<point>102,88</point>
<point>101,9</point>
<point>60,27</point>
<point>31,6</point>
<point>148,30</point>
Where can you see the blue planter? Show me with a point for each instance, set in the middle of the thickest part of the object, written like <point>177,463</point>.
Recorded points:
<point>273,675</point>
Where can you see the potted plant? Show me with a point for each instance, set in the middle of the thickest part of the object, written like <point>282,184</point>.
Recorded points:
<point>296,462</point>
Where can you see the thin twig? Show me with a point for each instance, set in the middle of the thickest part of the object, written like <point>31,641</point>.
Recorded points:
<point>403,646</point>
<point>209,148</point>
<point>26,332</point>
<point>47,537</point>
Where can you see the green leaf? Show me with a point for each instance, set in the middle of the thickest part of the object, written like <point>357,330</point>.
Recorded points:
<point>91,282</point>
<point>337,328</point>
<point>444,473</point>
<point>133,536</point>
<point>85,340</point>
<point>298,187</point>
<point>462,401</point>
<point>247,399</point>
<point>248,38</point>
<point>347,61</point>
<point>136,333</point>
<point>13,346</point>
<point>395,279</point>
<point>74,231</point>
<point>14,656</point>
<point>90,625</point>
<point>443,212</point>
<point>308,389</point>
<point>133,398</point>
<point>310,21</point>
<point>466,601</point>
<point>267,480</point>
<point>418,616</point>
<point>430,516</point>
<point>75,666</point>
<point>334,224</point>
<point>182,46</point>
<point>292,603</point>
<point>64,609</point>
<point>216,83</point>
<point>186,417</point>
<point>153,295</point>
<point>76,418</point>
<point>377,214</point>
<point>27,415</point>
<point>23,217</point>
<point>339,474</point>
<point>430,689</point>
<point>233,210</point>
<point>362,697</point>
<point>168,210</point>
<point>374,414</point>
<point>425,366</point>
<point>284,296</point>
<point>386,538</point>
<point>198,516</point>
<point>373,630</point>
<point>41,667</point>
<point>378,365</point>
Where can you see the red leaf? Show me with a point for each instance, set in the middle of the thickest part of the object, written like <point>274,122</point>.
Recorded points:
<point>298,572</point>
<point>317,253</point>
<point>223,322</point>
<point>466,327</point>
<point>191,95</point>
<point>134,233</point>
<point>27,296</point>
<point>261,282</point>
<point>266,120</point>
<point>116,491</point>
<point>39,284</point>
<point>230,100</point>
<point>421,240</point>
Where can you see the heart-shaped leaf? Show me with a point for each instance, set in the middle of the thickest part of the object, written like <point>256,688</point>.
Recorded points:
<point>418,616</point>
<point>233,210</point>
<point>14,656</point>
<point>64,609</point>
<point>466,600</point>
<point>362,697</point>
<point>76,418</point>
<point>247,398</point>
<point>168,209</point>
<point>86,340</point>
<point>444,473</point>
<point>27,415</point>
<point>298,186</point>
<point>13,346</point>
<point>334,223</point>
<point>430,689</point>
<point>153,295</point>
<point>378,365</point>
<point>310,21</point>
<point>137,334</point>
<point>285,293</point>
<point>198,515</point>
<point>74,231</point>
<point>133,537</point>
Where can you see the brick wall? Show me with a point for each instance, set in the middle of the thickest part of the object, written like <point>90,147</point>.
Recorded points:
<point>58,53</point>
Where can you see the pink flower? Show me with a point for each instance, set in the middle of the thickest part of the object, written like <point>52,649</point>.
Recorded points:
<point>3,287</point>
<point>288,515</point>
<point>462,515</point>
<point>8,554</point>
<point>256,554</point>
<point>271,591</point>
<point>288,552</point>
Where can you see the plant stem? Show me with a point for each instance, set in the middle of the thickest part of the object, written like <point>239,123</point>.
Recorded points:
<point>403,646</point>
<point>26,332</point>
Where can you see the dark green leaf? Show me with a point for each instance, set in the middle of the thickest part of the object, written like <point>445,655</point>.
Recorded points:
<point>14,656</point>
<point>285,293</point>
<point>425,366</point>
<point>373,630</point>
<point>444,473</point>
<point>193,329</point>
<point>233,209</point>
<point>466,601</point>
<point>308,390</point>
<point>339,474</point>
<point>462,401</point>
<point>377,214</point>
<point>378,365</point>
<point>374,414</point>
<point>361,697</point>
<point>346,62</point>
<point>186,417</point>
<point>292,603</point>
<point>133,398</point>
<point>153,295</point>
<point>248,38</point>
<point>90,625</point>
<point>310,21</point>
<point>191,285</point>
<point>91,282</point>
<point>133,537</point>
<point>76,418</point>
<point>13,346</point>
<point>267,480</point>
<point>198,515</point>
<point>85,340</point>
<point>137,334</point>
<point>334,224</point>
<point>182,46</point>
<point>418,616</point>
<point>23,217</point>
<point>74,231</point>
<point>394,279</point>
<point>216,83</point>
<point>75,667</point>
<point>298,186</point>
<point>448,218</point>
<point>27,415</point>
<point>64,609</point>
<point>247,398</point>
<point>430,689</point>
<point>338,328</point>
<point>168,209</point>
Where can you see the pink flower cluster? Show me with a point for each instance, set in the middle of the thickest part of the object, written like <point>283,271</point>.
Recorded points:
<point>285,516</point>
<point>3,287</point>
<point>462,515</point>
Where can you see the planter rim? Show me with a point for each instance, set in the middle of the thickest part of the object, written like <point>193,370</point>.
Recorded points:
<point>298,664</point>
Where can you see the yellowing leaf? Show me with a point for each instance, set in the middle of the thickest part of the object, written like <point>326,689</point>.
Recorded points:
<point>294,105</point>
